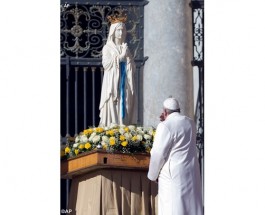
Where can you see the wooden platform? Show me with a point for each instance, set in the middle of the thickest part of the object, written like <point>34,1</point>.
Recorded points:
<point>99,159</point>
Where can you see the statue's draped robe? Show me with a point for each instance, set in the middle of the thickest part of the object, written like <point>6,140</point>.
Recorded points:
<point>174,162</point>
<point>110,102</point>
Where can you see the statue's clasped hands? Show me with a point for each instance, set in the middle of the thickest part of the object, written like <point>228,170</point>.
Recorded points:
<point>124,48</point>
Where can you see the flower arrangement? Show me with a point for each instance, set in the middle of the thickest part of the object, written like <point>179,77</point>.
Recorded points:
<point>115,138</point>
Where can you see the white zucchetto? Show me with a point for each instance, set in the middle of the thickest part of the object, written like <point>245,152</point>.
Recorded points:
<point>171,104</point>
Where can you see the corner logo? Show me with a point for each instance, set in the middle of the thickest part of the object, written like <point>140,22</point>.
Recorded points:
<point>66,211</point>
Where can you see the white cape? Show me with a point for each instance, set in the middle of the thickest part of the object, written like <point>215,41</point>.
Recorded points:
<point>175,164</point>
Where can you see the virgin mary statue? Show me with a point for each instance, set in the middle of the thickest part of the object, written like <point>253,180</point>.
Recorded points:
<point>118,93</point>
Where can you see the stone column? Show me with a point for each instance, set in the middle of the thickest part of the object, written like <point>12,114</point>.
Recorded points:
<point>168,44</point>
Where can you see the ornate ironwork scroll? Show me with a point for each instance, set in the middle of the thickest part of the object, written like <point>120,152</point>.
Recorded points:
<point>84,29</point>
<point>198,33</point>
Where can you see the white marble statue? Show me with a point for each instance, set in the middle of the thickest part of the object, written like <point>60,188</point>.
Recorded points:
<point>118,94</point>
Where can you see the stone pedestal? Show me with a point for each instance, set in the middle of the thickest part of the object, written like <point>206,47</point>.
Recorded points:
<point>110,183</point>
<point>168,44</point>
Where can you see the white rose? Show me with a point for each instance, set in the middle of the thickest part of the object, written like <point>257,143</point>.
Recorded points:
<point>105,139</point>
<point>77,139</point>
<point>75,145</point>
<point>83,139</point>
<point>139,137</point>
<point>151,131</point>
<point>128,136</point>
<point>140,130</point>
<point>96,139</point>
<point>147,137</point>
<point>131,127</point>
<point>121,130</point>
<point>92,136</point>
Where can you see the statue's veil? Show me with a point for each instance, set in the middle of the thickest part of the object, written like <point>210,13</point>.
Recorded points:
<point>112,29</point>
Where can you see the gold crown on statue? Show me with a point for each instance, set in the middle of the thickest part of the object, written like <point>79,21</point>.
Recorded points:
<point>117,17</point>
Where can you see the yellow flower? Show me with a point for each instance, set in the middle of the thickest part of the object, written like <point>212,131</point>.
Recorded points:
<point>122,138</point>
<point>105,147</point>
<point>87,145</point>
<point>67,150</point>
<point>124,143</point>
<point>99,130</point>
<point>88,131</point>
<point>112,141</point>
<point>111,132</point>
<point>81,146</point>
<point>134,138</point>
<point>76,151</point>
<point>126,129</point>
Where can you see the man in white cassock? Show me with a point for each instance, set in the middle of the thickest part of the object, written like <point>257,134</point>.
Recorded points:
<point>118,94</point>
<point>174,163</point>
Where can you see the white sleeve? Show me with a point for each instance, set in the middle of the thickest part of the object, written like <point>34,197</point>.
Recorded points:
<point>159,152</point>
